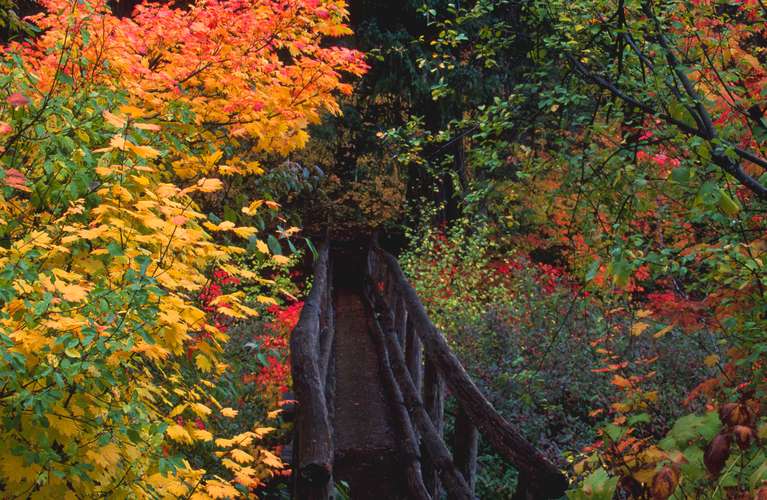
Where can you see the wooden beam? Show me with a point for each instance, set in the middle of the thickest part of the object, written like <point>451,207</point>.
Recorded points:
<point>314,436</point>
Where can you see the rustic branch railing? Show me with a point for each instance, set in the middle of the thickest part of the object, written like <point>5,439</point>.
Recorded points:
<point>539,476</point>
<point>311,345</point>
<point>417,369</point>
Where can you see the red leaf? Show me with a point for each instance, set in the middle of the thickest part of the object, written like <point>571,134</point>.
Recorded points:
<point>15,179</point>
<point>17,100</point>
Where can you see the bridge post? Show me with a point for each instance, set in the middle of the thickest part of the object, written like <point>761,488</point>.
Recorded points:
<point>414,356</point>
<point>465,446</point>
<point>434,402</point>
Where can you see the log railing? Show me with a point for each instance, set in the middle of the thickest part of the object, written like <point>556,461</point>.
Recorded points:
<point>312,362</point>
<point>392,297</point>
<point>418,370</point>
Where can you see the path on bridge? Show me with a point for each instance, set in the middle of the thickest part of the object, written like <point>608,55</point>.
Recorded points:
<point>370,374</point>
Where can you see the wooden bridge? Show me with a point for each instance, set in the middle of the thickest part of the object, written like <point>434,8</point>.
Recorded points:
<point>371,373</point>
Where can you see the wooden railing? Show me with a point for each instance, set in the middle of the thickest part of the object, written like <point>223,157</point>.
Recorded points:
<point>312,371</point>
<point>418,371</point>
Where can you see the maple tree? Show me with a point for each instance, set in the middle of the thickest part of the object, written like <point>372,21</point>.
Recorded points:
<point>113,132</point>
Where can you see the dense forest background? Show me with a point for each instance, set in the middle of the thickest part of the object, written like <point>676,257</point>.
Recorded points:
<point>575,188</point>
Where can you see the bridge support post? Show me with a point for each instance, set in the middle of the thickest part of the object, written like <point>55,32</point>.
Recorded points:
<point>434,401</point>
<point>465,446</point>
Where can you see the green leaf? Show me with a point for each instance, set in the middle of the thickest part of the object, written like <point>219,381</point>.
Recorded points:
<point>593,270</point>
<point>681,175</point>
<point>274,245</point>
<point>727,204</point>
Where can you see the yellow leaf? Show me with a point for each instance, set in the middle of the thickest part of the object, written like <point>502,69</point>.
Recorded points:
<point>119,142</point>
<point>274,413</point>
<point>639,327</point>
<point>147,126</point>
<point>262,431</point>
<point>210,185</point>
<point>252,208</point>
<point>133,111</point>
<point>178,434</point>
<point>203,363</point>
<point>280,259</point>
<point>271,459</point>
<point>72,293</point>
<point>144,151</point>
<point>211,159</point>
<point>245,232</point>
<point>106,456</point>
<point>202,435</point>
<point>113,120</point>
<point>711,360</point>
<point>241,457</point>
<point>262,247</point>
<point>72,353</point>
<point>200,409</point>
<point>219,489</point>
<point>229,412</point>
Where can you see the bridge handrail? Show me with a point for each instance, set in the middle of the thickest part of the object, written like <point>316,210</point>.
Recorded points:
<point>309,358</point>
<point>542,478</point>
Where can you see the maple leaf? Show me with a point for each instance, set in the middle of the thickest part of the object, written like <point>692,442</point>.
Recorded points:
<point>72,293</point>
<point>202,435</point>
<point>147,126</point>
<point>219,489</point>
<point>262,247</point>
<point>280,259</point>
<point>210,185</point>
<point>203,363</point>
<point>229,412</point>
<point>241,457</point>
<point>114,120</point>
<point>144,151</point>
<point>179,434</point>
<point>271,459</point>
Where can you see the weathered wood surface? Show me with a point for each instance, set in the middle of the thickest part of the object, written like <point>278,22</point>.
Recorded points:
<point>454,483</point>
<point>546,481</point>
<point>314,434</point>
<point>465,447</point>
<point>434,402</point>
<point>411,455</point>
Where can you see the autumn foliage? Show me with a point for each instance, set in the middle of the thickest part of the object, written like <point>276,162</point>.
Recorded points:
<point>111,131</point>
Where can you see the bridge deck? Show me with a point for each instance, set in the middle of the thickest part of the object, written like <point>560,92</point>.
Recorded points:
<point>366,447</point>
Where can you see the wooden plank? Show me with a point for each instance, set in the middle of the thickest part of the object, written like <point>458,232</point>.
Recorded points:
<point>546,480</point>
